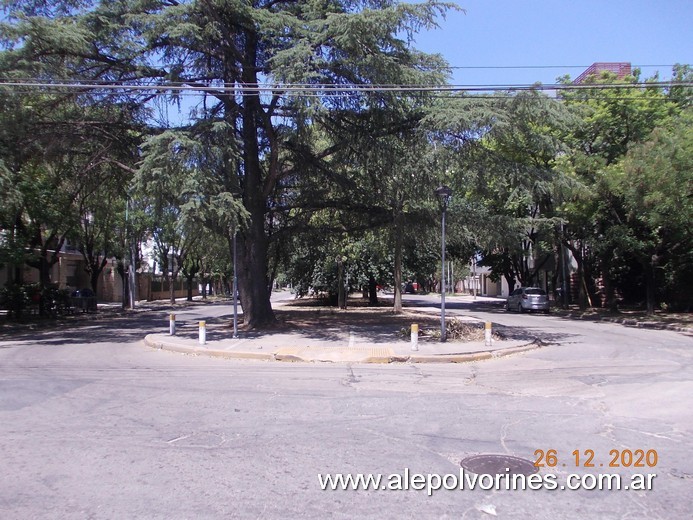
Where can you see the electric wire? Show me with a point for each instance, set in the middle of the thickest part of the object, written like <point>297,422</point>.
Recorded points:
<point>329,88</point>
<point>508,67</point>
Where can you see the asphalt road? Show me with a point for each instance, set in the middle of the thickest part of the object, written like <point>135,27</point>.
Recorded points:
<point>95,425</point>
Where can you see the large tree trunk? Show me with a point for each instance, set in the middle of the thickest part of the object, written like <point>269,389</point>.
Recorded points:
<point>252,242</point>
<point>252,278</point>
<point>95,270</point>
<point>650,285</point>
<point>190,278</point>
<point>190,269</point>
<point>43,264</point>
<point>609,292</point>
<point>253,282</point>
<point>44,272</point>
<point>582,284</point>
<point>372,291</point>
<point>341,293</point>
<point>94,280</point>
<point>124,284</point>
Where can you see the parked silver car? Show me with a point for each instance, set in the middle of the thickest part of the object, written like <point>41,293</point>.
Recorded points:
<point>528,299</point>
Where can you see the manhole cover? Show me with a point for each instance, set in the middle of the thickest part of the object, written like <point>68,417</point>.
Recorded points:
<point>498,465</point>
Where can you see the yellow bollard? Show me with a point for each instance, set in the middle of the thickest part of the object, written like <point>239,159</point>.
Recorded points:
<point>487,334</point>
<point>415,336</point>
<point>203,333</point>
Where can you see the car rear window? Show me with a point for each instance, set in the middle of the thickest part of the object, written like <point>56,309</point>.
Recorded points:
<point>536,291</point>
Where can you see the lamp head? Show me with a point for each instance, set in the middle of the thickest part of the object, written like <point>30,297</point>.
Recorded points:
<point>443,193</point>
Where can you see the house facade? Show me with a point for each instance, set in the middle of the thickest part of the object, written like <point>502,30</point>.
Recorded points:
<point>69,273</point>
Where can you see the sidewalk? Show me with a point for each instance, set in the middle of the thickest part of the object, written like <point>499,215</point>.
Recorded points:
<point>337,341</point>
<point>336,346</point>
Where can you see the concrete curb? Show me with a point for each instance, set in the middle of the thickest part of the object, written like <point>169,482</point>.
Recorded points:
<point>474,356</point>
<point>153,342</point>
<point>289,358</point>
<point>630,322</point>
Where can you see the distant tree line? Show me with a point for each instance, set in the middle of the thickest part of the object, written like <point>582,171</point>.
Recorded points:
<point>289,143</point>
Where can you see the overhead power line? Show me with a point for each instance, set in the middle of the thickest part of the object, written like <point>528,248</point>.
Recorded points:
<point>330,88</point>
<point>511,67</point>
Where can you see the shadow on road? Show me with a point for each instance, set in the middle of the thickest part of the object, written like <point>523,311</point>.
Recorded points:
<point>374,325</point>
<point>94,329</point>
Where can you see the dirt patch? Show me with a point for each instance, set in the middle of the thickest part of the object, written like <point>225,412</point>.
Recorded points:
<point>302,315</point>
<point>306,316</point>
<point>315,312</point>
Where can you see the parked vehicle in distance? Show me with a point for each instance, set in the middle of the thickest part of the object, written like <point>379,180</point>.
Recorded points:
<point>528,299</point>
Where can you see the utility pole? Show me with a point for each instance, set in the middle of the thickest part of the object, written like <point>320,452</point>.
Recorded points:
<point>444,193</point>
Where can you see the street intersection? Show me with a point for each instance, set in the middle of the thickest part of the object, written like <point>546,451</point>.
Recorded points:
<point>94,424</point>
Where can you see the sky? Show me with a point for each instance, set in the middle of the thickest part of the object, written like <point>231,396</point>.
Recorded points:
<point>566,36</point>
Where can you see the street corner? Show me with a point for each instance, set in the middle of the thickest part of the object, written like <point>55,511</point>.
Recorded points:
<point>302,353</point>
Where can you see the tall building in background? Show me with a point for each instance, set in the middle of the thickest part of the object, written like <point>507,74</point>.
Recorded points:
<point>621,69</point>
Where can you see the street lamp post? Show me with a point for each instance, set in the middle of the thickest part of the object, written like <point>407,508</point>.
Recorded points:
<point>132,257</point>
<point>235,287</point>
<point>444,193</point>
<point>341,292</point>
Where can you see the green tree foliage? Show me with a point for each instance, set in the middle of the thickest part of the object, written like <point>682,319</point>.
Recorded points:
<point>397,173</point>
<point>64,147</point>
<point>227,47</point>
<point>291,148</point>
<point>212,43</point>
<point>61,156</point>
<point>505,172</point>
<point>96,230</point>
<point>611,122</point>
<point>176,188</point>
<point>655,185</point>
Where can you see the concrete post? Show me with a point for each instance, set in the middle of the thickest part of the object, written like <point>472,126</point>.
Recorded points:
<point>415,336</point>
<point>203,333</point>
<point>487,334</point>
<point>172,325</point>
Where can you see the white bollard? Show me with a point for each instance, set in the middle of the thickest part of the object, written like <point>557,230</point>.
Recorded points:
<point>487,333</point>
<point>203,333</point>
<point>414,336</point>
<point>172,325</point>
